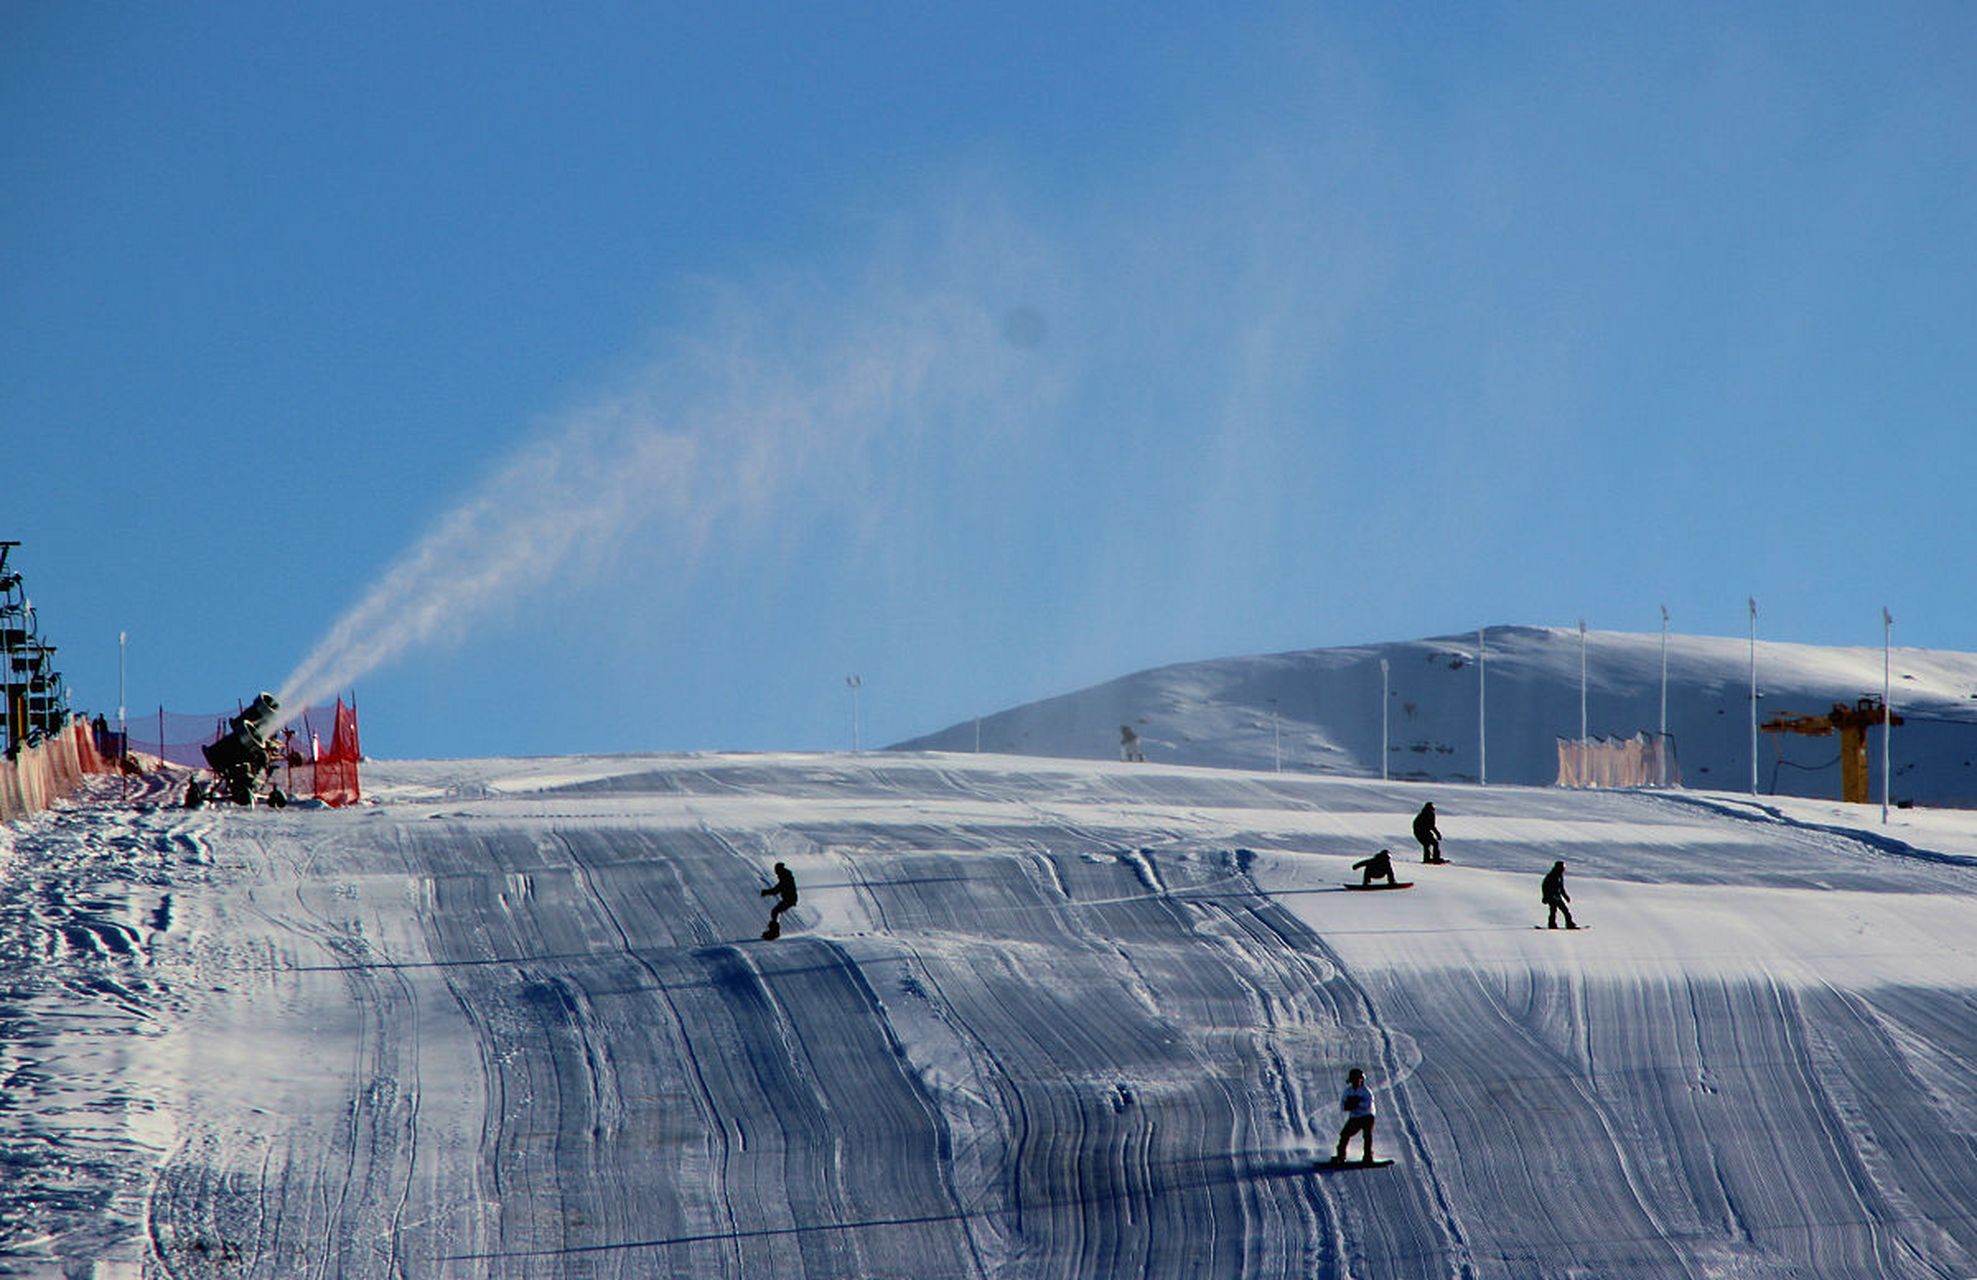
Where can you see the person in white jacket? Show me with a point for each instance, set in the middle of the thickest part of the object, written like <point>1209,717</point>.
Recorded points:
<point>1357,1103</point>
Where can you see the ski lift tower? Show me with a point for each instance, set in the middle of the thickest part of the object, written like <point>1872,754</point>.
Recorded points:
<point>35,703</point>
<point>1852,724</point>
<point>13,638</point>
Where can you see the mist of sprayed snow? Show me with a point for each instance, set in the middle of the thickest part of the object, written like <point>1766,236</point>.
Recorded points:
<point>725,426</point>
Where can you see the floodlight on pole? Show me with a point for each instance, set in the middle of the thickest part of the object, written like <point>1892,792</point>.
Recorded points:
<point>1752,601</point>
<point>1482,711</point>
<point>1582,689</point>
<point>123,729</point>
<point>1383,719</point>
<point>1276,738</point>
<point>1661,742</point>
<point>1887,706</point>
<point>854,683</point>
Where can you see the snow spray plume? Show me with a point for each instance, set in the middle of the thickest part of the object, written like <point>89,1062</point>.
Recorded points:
<point>721,429</point>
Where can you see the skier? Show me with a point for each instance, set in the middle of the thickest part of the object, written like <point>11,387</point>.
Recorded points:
<point>1554,896</point>
<point>785,890</point>
<point>1376,867</point>
<point>1129,746</point>
<point>1357,1103</point>
<point>1425,832</point>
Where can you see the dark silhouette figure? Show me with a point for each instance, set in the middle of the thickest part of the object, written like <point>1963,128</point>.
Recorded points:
<point>1379,866</point>
<point>195,794</point>
<point>1357,1103</point>
<point>1425,832</point>
<point>1555,897</point>
<point>784,890</point>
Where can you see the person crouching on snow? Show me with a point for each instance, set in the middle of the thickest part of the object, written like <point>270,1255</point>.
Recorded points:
<point>1357,1103</point>
<point>784,891</point>
<point>1379,866</point>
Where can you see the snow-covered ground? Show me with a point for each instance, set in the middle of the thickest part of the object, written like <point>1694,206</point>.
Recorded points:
<point>1031,1018</point>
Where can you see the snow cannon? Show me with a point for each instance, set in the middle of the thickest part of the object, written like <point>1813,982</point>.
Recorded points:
<point>247,749</point>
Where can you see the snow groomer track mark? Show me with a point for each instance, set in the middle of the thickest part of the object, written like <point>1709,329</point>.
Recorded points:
<point>1025,1020</point>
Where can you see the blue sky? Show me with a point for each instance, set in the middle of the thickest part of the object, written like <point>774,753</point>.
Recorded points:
<point>669,366</point>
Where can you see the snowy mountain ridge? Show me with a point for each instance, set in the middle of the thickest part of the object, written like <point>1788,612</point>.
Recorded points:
<point>1319,711</point>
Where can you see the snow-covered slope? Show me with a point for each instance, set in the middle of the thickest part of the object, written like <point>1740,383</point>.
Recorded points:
<point>1031,1018</point>
<point>1319,710</point>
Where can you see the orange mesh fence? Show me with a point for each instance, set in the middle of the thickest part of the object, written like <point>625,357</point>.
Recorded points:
<point>35,777</point>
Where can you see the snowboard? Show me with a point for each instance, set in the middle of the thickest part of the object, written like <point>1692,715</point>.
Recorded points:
<point>1353,1164</point>
<point>1545,928</point>
<point>1403,884</point>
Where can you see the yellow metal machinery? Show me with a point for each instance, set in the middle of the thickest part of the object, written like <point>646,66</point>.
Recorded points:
<point>1852,724</point>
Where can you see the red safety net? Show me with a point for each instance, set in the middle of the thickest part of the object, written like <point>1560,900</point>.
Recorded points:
<point>336,771</point>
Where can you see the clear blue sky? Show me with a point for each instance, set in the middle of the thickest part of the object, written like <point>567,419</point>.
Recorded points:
<point>987,351</point>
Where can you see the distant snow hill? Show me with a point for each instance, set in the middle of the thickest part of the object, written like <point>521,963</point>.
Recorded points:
<point>1326,709</point>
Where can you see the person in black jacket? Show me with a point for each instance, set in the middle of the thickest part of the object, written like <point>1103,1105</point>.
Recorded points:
<point>1554,896</point>
<point>1425,832</point>
<point>1357,1103</point>
<point>784,890</point>
<point>1376,867</point>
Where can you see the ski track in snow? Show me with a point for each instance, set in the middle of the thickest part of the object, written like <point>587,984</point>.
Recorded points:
<point>1028,1020</point>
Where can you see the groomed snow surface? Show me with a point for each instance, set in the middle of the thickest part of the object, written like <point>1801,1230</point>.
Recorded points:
<point>1030,1018</point>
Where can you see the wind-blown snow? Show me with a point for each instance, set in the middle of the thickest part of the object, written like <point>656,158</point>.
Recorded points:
<point>1030,1018</point>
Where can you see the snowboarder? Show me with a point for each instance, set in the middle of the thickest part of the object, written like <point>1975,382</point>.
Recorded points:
<point>1357,1103</point>
<point>785,890</point>
<point>1554,896</point>
<point>1425,832</point>
<point>1129,746</point>
<point>1379,866</point>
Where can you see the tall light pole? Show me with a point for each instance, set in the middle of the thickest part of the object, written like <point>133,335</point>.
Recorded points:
<point>1482,713</point>
<point>1661,741</point>
<point>854,683</point>
<point>123,729</point>
<point>1887,707</point>
<point>1582,690</point>
<point>1752,601</point>
<point>1276,737</point>
<point>1383,719</point>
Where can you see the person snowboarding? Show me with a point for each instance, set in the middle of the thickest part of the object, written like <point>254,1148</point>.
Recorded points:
<point>1554,896</point>
<point>785,890</point>
<point>1425,832</point>
<point>1379,866</point>
<point>1357,1103</point>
